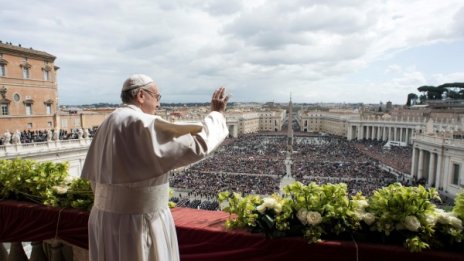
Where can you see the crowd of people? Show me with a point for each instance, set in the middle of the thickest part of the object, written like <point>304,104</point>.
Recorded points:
<point>30,136</point>
<point>209,183</point>
<point>196,203</point>
<point>255,164</point>
<point>398,157</point>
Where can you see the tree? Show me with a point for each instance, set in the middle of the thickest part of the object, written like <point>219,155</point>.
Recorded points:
<point>454,90</point>
<point>432,92</point>
<point>412,99</point>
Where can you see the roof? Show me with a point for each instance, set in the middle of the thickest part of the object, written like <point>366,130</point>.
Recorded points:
<point>18,50</point>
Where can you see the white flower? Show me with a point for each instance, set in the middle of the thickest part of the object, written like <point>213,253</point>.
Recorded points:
<point>448,218</point>
<point>369,218</point>
<point>313,218</point>
<point>359,214</point>
<point>411,223</point>
<point>261,208</point>
<point>269,202</point>
<point>301,215</point>
<point>455,222</point>
<point>431,219</point>
<point>70,178</point>
<point>60,189</point>
<point>442,216</point>
<point>362,204</point>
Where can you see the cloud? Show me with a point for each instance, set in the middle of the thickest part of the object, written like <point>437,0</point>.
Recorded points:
<point>261,50</point>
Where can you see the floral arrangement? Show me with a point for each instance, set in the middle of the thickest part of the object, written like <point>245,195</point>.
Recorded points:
<point>46,183</point>
<point>394,214</point>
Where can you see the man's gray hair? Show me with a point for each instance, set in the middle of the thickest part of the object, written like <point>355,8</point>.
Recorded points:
<point>132,86</point>
<point>129,96</point>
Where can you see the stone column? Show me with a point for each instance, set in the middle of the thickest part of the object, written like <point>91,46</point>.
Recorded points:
<point>349,133</point>
<point>407,136</point>
<point>431,178</point>
<point>446,170</point>
<point>420,164</point>
<point>439,173</point>
<point>414,163</point>
<point>401,134</point>
<point>17,252</point>
<point>3,252</point>
<point>37,253</point>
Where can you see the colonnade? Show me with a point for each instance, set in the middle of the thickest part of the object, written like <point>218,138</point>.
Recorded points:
<point>427,165</point>
<point>384,133</point>
<point>438,161</point>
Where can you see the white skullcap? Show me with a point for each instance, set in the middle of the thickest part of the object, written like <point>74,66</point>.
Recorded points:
<point>136,81</point>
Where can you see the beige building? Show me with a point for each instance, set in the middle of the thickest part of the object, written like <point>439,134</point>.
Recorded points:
<point>271,120</point>
<point>334,122</point>
<point>438,159</point>
<point>28,89</point>
<point>436,134</point>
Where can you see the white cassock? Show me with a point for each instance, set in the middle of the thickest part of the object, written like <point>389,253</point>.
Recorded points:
<point>127,164</point>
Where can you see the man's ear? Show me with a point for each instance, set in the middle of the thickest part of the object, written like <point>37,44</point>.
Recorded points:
<point>139,97</point>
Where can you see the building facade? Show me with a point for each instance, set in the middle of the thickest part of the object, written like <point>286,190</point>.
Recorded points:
<point>438,160</point>
<point>28,89</point>
<point>436,135</point>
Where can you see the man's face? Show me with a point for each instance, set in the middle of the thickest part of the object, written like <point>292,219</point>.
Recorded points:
<point>150,99</point>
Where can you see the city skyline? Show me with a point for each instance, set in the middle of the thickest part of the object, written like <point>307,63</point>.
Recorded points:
<point>339,52</point>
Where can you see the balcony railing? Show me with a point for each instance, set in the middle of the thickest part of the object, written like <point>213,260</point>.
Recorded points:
<point>23,149</point>
<point>61,234</point>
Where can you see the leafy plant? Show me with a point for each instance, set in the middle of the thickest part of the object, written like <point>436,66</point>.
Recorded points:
<point>458,208</point>
<point>30,180</point>
<point>316,212</point>
<point>323,210</point>
<point>45,183</point>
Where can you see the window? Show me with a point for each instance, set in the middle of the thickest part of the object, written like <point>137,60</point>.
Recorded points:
<point>46,75</point>
<point>4,109</point>
<point>28,109</point>
<point>49,124</point>
<point>46,71</point>
<point>26,69</point>
<point>49,109</point>
<point>26,73</point>
<point>3,64</point>
<point>64,123</point>
<point>455,174</point>
<point>16,97</point>
<point>29,125</point>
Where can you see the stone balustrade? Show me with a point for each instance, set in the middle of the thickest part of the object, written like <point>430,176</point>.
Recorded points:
<point>49,250</point>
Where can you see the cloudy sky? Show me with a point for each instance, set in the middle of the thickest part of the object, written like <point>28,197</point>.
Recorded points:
<point>366,51</point>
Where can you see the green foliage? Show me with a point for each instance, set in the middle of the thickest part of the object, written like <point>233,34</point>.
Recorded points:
<point>30,180</point>
<point>407,211</point>
<point>453,91</point>
<point>46,183</point>
<point>74,194</point>
<point>401,214</point>
<point>330,202</point>
<point>458,208</point>
<point>412,99</point>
